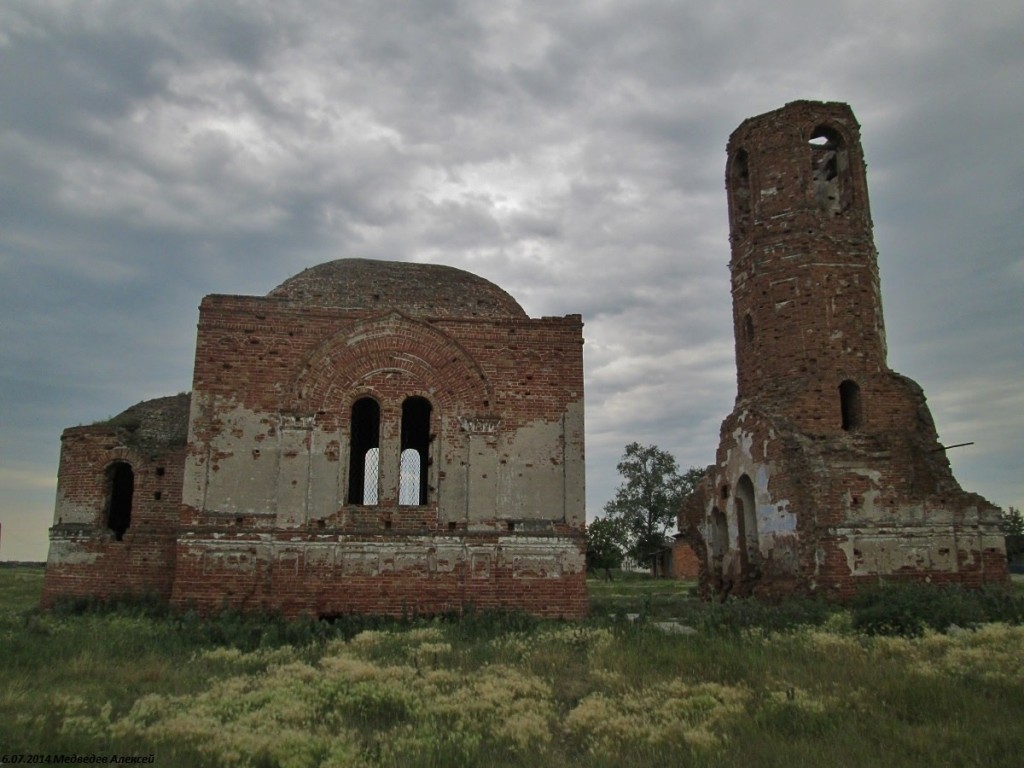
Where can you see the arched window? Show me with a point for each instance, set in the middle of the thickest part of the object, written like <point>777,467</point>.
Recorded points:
<point>120,490</point>
<point>828,166</point>
<point>850,405</point>
<point>746,511</point>
<point>413,484</point>
<point>364,453</point>
<point>739,186</point>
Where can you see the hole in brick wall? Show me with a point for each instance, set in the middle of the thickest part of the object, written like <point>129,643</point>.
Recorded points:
<point>387,525</point>
<point>157,495</point>
<point>451,526</point>
<point>725,491</point>
<point>160,471</point>
<point>511,525</point>
<point>748,327</point>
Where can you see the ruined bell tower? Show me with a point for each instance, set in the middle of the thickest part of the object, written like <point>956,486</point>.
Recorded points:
<point>829,471</point>
<point>806,299</point>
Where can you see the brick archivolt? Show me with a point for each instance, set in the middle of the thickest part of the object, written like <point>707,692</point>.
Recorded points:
<point>352,358</point>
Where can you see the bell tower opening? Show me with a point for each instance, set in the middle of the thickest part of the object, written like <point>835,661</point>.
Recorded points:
<point>828,165</point>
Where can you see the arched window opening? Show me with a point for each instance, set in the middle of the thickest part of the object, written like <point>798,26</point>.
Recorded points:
<point>748,327</point>
<point>828,164</point>
<point>413,486</point>
<point>851,405</point>
<point>746,511</point>
<point>121,489</point>
<point>739,185</point>
<point>364,453</point>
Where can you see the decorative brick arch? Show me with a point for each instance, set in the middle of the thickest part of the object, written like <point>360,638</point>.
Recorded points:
<point>391,342</point>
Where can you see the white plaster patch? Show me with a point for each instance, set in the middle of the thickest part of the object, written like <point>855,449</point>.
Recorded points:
<point>70,553</point>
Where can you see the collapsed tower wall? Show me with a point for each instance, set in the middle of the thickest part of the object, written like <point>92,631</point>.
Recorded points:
<point>829,471</point>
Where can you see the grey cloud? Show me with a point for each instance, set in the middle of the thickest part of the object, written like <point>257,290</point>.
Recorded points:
<point>572,153</point>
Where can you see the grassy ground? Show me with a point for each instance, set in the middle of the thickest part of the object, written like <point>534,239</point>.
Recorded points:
<point>757,685</point>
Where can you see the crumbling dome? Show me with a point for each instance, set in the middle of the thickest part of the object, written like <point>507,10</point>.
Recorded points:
<point>431,290</point>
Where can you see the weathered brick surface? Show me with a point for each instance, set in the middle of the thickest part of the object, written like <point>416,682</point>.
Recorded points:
<point>829,473</point>
<point>86,559</point>
<point>262,517</point>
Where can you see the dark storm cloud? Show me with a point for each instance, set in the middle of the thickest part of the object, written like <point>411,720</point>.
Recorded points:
<point>155,152</point>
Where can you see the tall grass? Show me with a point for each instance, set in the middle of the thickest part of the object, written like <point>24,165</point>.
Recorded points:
<point>756,685</point>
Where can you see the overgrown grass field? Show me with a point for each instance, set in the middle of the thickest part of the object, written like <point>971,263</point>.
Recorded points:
<point>793,685</point>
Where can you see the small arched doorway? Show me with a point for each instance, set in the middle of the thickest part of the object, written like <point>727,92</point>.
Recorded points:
<point>746,516</point>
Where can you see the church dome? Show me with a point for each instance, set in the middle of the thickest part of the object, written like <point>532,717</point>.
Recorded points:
<point>429,290</point>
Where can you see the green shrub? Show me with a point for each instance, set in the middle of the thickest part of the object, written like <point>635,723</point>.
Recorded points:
<point>740,614</point>
<point>907,609</point>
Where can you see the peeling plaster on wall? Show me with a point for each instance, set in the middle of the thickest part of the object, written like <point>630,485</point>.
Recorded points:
<point>531,472</point>
<point>262,477</point>
<point>548,558</point>
<point>68,553</point>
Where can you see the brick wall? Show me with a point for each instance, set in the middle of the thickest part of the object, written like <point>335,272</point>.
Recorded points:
<point>85,558</point>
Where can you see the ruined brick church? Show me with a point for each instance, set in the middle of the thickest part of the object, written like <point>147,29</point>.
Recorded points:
<point>371,436</point>
<point>402,438</point>
<point>829,474</point>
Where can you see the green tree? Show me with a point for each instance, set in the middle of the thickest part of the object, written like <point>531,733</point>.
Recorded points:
<point>604,545</point>
<point>647,501</point>
<point>1013,522</point>
<point>1013,529</point>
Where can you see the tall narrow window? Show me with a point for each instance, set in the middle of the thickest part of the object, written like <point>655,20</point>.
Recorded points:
<point>413,485</point>
<point>850,405</point>
<point>746,510</point>
<point>364,456</point>
<point>121,489</point>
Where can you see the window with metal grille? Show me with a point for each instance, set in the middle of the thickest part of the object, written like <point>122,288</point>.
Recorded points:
<point>364,453</point>
<point>415,459</point>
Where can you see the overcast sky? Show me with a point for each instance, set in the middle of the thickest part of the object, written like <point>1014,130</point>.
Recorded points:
<point>573,153</point>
